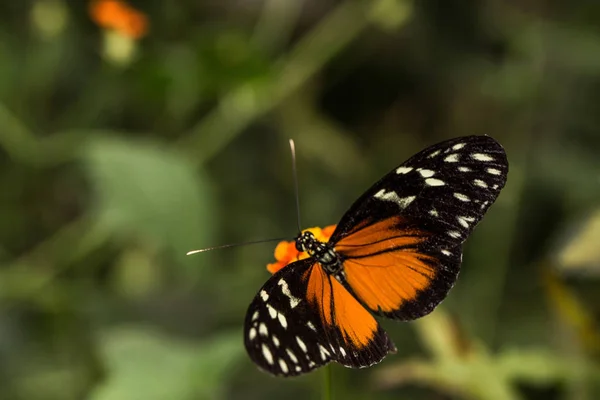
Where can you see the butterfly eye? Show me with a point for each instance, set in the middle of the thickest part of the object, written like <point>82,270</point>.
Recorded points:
<point>300,243</point>
<point>305,241</point>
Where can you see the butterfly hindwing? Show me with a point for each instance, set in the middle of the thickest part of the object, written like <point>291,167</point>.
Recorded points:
<point>302,319</point>
<point>401,240</point>
<point>355,337</point>
<point>281,332</point>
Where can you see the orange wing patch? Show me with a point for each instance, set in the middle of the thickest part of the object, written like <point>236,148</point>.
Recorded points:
<point>338,308</point>
<point>378,237</point>
<point>383,266</point>
<point>385,282</point>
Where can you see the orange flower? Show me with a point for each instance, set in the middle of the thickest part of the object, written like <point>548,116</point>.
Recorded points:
<point>286,252</point>
<point>119,16</point>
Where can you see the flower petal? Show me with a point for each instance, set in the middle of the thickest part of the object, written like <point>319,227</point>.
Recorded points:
<point>286,252</point>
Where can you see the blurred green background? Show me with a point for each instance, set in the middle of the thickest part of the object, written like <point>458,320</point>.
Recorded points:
<point>120,153</point>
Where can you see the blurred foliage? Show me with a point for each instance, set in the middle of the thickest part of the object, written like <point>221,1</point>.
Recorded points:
<point>186,371</point>
<point>121,150</point>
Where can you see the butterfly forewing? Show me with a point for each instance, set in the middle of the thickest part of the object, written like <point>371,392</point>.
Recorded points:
<point>445,189</point>
<point>302,319</point>
<point>401,240</point>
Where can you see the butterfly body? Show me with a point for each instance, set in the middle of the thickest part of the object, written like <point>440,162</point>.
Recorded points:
<point>395,253</point>
<point>321,252</point>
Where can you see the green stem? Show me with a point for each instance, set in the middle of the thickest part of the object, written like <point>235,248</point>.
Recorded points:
<point>26,276</point>
<point>327,383</point>
<point>23,146</point>
<point>251,100</point>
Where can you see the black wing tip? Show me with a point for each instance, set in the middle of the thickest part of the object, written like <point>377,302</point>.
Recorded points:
<point>292,373</point>
<point>373,354</point>
<point>477,139</point>
<point>483,137</point>
<point>493,142</point>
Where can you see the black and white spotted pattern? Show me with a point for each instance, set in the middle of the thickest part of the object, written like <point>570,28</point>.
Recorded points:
<point>446,188</point>
<point>284,334</point>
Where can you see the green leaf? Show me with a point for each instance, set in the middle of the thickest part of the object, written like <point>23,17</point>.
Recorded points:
<point>151,194</point>
<point>147,365</point>
<point>581,253</point>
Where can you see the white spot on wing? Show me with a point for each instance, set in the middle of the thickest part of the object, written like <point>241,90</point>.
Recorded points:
<point>482,157</point>
<point>255,316</point>
<point>292,356</point>
<point>451,158</point>
<point>282,320</point>
<point>294,301</point>
<point>275,341</point>
<point>454,234</point>
<point>276,314</point>
<point>301,344</point>
<point>480,183</point>
<point>393,197</point>
<point>433,212</point>
<point>262,329</point>
<point>462,197</point>
<point>252,333</point>
<point>494,171</point>
<point>426,173</point>
<point>434,182</point>
<point>311,326</point>
<point>324,352</point>
<point>403,170</point>
<point>464,169</point>
<point>283,366</point>
<point>446,253</point>
<point>458,146</point>
<point>435,153</point>
<point>464,221</point>
<point>298,368</point>
<point>343,352</point>
<point>267,354</point>
<point>264,295</point>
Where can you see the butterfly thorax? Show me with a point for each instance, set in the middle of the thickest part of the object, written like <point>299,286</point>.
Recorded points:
<point>320,251</point>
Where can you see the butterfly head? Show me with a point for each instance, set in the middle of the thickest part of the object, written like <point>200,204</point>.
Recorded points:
<point>306,242</point>
<point>324,254</point>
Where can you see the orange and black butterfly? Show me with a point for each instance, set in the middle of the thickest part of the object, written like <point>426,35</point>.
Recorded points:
<point>395,253</point>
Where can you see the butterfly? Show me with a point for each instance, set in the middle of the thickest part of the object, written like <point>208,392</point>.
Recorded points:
<point>395,253</point>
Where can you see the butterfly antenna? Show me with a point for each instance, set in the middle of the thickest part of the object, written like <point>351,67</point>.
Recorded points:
<point>224,246</point>
<point>293,150</point>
